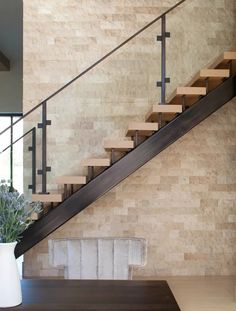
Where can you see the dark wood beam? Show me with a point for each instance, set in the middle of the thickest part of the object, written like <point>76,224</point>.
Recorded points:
<point>120,170</point>
<point>4,62</point>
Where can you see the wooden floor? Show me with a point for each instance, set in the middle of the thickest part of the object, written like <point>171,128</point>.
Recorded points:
<point>204,293</point>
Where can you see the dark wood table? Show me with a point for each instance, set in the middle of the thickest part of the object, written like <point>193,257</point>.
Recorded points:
<point>74,295</point>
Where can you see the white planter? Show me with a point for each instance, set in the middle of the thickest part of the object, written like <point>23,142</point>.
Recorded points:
<point>10,287</point>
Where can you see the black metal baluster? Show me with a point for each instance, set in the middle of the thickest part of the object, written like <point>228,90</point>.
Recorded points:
<point>90,172</point>
<point>207,84</point>
<point>159,120</point>
<point>34,160</point>
<point>184,102</point>
<point>32,148</point>
<point>113,156</point>
<point>136,139</point>
<point>164,80</point>
<point>163,60</point>
<point>45,168</point>
<point>66,190</point>
<point>44,149</point>
<point>230,67</point>
<point>11,155</point>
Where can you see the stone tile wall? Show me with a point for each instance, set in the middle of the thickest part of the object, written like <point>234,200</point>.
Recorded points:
<point>183,201</point>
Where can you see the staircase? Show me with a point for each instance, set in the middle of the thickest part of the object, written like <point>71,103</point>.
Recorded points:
<point>210,89</point>
<point>184,97</point>
<point>164,123</point>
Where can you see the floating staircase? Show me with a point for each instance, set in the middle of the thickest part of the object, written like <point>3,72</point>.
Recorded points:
<point>182,98</point>
<point>164,123</point>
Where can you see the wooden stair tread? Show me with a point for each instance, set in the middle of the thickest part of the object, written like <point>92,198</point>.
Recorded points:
<point>223,58</point>
<point>166,110</point>
<point>51,197</point>
<point>96,162</point>
<point>188,91</point>
<point>116,144</point>
<point>230,55</point>
<point>70,180</point>
<point>216,74</point>
<point>36,216</point>
<point>143,128</point>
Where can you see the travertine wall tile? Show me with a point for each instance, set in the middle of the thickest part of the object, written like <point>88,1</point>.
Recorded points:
<point>183,201</point>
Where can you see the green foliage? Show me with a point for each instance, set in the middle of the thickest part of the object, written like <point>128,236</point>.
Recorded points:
<point>15,213</point>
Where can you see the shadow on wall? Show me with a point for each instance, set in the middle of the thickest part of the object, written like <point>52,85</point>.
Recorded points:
<point>11,46</point>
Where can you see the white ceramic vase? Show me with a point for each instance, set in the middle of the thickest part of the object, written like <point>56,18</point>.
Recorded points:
<point>10,287</point>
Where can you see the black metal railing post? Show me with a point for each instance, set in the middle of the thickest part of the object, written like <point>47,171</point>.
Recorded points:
<point>44,148</point>
<point>11,154</point>
<point>163,60</point>
<point>34,160</point>
<point>164,79</point>
<point>32,148</point>
<point>45,168</point>
<point>102,59</point>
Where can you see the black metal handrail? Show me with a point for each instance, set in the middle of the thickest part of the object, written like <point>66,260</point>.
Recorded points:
<point>15,141</point>
<point>11,116</point>
<point>31,148</point>
<point>43,104</point>
<point>97,62</point>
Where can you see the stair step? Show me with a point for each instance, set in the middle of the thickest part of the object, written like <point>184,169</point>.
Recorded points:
<point>188,91</point>
<point>229,55</point>
<point>71,180</point>
<point>51,197</point>
<point>120,145</point>
<point>143,128</point>
<point>223,59</point>
<point>93,162</point>
<point>36,216</point>
<point>168,111</point>
<point>213,74</point>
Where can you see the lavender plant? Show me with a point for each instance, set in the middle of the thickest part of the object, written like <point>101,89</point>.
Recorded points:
<point>15,213</point>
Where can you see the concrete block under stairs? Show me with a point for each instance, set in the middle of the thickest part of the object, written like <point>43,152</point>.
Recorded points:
<point>97,258</point>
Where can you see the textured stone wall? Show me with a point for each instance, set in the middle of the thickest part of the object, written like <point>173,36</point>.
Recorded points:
<point>182,201</point>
